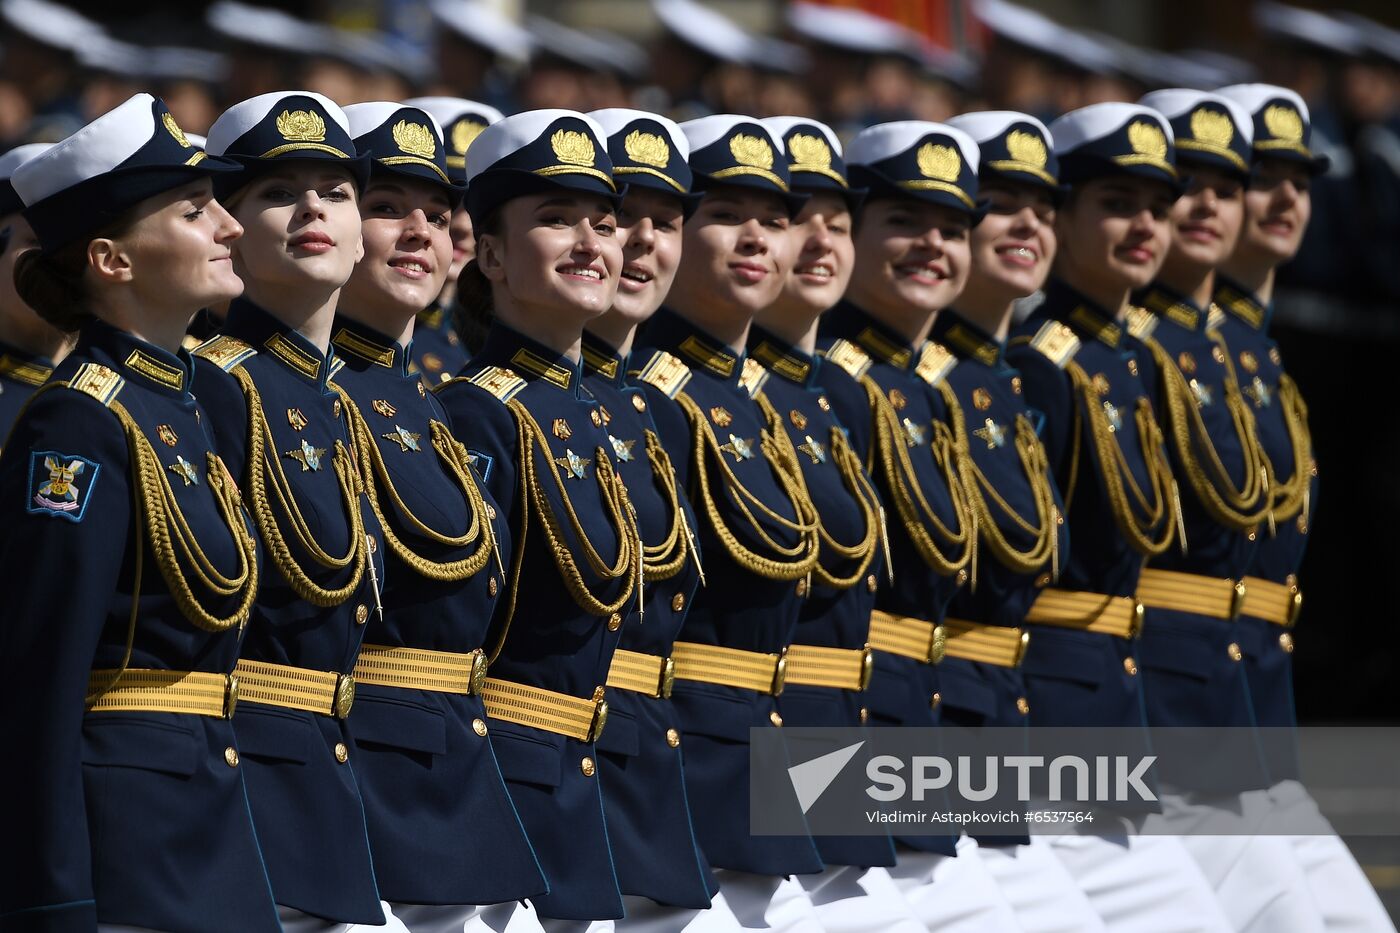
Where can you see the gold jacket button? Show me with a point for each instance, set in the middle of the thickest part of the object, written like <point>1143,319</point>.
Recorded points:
<point>614,622</point>
<point>491,587</point>
<point>775,719</point>
<point>962,576</point>
<point>335,408</point>
<point>1285,641</point>
<point>1130,666</point>
<point>673,738</point>
<point>639,403</point>
<point>479,726</point>
<point>871,583</point>
<point>587,766</point>
<point>802,588</point>
<point>231,756</point>
<point>678,602</point>
<point>864,715</point>
<point>1023,706</point>
<point>361,614</point>
<point>935,701</point>
<point>342,754</point>
<point>1233,649</point>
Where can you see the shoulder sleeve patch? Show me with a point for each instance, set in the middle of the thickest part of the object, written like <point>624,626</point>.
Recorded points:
<point>849,357</point>
<point>665,372</point>
<point>1057,342</point>
<point>499,381</point>
<point>1141,322</point>
<point>60,485</point>
<point>98,381</point>
<point>935,362</point>
<point>224,352</point>
<point>753,377</point>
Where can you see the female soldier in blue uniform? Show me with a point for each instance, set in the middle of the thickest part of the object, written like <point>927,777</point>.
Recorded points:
<point>640,764</point>
<point>1277,207</point>
<point>266,380</point>
<point>129,565</point>
<point>29,345</point>
<point>543,202</point>
<point>758,530</point>
<point>829,662</point>
<point>911,259</point>
<point>425,767</point>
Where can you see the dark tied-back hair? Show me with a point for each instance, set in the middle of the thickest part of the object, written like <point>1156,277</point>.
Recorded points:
<point>53,284</point>
<point>473,308</point>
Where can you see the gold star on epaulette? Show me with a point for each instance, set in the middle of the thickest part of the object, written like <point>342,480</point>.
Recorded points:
<point>576,466</point>
<point>738,447</point>
<point>914,434</point>
<point>622,448</point>
<point>813,449</point>
<point>185,470</point>
<point>1259,393</point>
<point>309,457</point>
<point>405,438</point>
<point>993,433</point>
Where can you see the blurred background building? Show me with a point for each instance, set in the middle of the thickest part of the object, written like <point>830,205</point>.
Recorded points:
<point>852,63</point>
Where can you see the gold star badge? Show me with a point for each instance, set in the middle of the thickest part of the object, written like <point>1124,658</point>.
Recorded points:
<point>993,433</point>
<point>296,419</point>
<point>384,408</point>
<point>799,420</point>
<point>738,447</point>
<point>981,399</point>
<point>406,439</point>
<point>576,466</point>
<point>813,449</point>
<point>185,470</point>
<point>721,416</point>
<point>309,457</point>
<point>166,433</point>
<point>1259,393</point>
<point>914,434</point>
<point>562,430</point>
<point>898,399</point>
<point>622,448</point>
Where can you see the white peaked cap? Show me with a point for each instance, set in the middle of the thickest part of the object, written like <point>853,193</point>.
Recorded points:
<point>780,126</point>
<point>613,119</point>
<point>1172,102</point>
<point>485,25</point>
<point>362,118</point>
<point>989,124</point>
<point>705,130</point>
<point>886,140</point>
<point>1253,96</point>
<point>94,150</point>
<point>515,132</point>
<point>20,155</point>
<point>707,30</point>
<point>447,109</point>
<point>243,116</point>
<point>1087,124</point>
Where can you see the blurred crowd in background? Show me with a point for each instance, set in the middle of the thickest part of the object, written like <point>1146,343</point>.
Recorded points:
<point>853,63</point>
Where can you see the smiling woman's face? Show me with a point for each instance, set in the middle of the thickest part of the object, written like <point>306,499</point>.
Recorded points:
<point>1205,222</point>
<point>301,227</point>
<point>912,259</point>
<point>1014,245</point>
<point>408,251</point>
<point>1113,234</point>
<point>649,227</point>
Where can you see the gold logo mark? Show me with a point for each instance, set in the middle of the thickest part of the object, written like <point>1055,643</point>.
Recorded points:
<point>464,134</point>
<point>572,147</point>
<point>1026,147</point>
<point>941,162</point>
<point>175,130</point>
<point>751,150</point>
<point>415,139</point>
<point>1212,128</point>
<point>647,148</point>
<point>809,150</point>
<point>1284,123</point>
<point>1148,139</point>
<point>301,126</point>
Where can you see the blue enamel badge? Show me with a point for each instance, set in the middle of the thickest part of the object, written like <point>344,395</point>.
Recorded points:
<point>60,484</point>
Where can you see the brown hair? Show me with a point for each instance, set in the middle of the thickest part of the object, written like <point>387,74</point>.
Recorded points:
<point>474,309</point>
<point>52,283</point>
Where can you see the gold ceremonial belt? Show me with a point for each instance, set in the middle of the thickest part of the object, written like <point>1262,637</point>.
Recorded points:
<point>1278,603</point>
<point>323,692</point>
<point>839,668</point>
<point>1216,597</point>
<point>154,691</point>
<point>421,669</point>
<point>990,644</point>
<point>650,674</point>
<point>1088,612</point>
<point>560,713</point>
<point>730,667</point>
<point>906,636</point>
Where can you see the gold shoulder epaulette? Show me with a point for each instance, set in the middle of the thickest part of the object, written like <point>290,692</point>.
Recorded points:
<point>849,357</point>
<point>499,381</point>
<point>935,362</point>
<point>665,372</point>
<point>98,381</point>
<point>224,352</point>
<point>1057,341</point>
<point>753,377</point>
<point>1141,322</point>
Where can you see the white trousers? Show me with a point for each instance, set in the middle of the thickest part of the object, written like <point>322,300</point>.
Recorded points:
<point>1041,891</point>
<point>646,916</point>
<point>953,895</point>
<point>295,921</point>
<point>764,902</point>
<point>849,899</point>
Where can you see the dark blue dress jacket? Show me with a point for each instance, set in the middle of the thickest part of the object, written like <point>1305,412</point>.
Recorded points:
<point>437,353</point>
<point>21,374</point>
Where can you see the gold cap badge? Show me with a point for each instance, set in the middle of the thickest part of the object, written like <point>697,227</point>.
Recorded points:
<point>809,150</point>
<point>647,148</point>
<point>941,162</point>
<point>751,150</point>
<point>464,134</point>
<point>301,126</point>
<point>174,130</point>
<point>1284,123</point>
<point>1212,128</point>
<point>1026,147</point>
<point>415,139</point>
<point>1147,139</point>
<point>572,147</point>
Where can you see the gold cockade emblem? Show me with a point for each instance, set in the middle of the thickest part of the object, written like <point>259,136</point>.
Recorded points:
<point>572,147</point>
<point>1147,139</point>
<point>302,126</point>
<point>464,134</point>
<point>941,162</point>
<point>414,139</point>
<point>1212,127</point>
<point>809,150</point>
<point>751,150</point>
<point>647,148</point>
<point>1283,122</point>
<point>1026,147</point>
<point>174,129</point>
